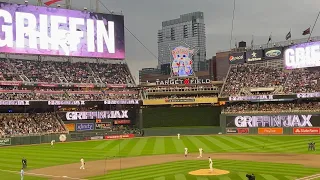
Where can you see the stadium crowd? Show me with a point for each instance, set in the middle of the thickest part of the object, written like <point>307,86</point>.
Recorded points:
<point>14,93</point>
<point>272,107</point>
<point>64,72</point>
<point>28,124</point>
<point>255,76</point>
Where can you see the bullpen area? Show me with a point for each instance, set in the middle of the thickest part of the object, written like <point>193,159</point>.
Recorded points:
<point>162,158</point>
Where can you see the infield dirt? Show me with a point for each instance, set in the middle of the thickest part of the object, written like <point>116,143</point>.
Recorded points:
<point>101,167</point>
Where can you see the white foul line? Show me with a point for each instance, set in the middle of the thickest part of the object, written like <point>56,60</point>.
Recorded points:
<point>45,175</point>
<point>309,177</point>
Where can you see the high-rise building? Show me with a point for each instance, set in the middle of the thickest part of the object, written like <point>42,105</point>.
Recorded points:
<point>189,30</point>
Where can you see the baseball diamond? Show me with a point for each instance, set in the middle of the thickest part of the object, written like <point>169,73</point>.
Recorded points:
<point>268,157</point>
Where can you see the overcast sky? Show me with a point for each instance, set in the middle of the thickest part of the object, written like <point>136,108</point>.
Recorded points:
<point>252,17</point>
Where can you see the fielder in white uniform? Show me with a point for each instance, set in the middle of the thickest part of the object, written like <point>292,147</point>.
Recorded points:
<point>185,152</point>
<point>52,143</point>
<point>210,164</point>
<point>178,136</point>
<point>82,163</point>
<point>22,174</point>
<point>200,152</point>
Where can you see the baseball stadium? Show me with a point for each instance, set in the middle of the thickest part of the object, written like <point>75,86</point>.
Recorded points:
<point>71,109</point>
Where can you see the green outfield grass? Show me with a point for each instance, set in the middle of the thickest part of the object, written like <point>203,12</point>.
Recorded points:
<point>43,156</point>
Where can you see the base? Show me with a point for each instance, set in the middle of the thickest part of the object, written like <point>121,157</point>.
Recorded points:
<point>207,172</point>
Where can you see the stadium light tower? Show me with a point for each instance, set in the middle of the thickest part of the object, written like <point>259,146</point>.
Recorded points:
<point>26,2</point>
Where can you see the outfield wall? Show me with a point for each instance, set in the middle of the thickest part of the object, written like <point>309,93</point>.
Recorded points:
<point>173,131</point>
<point>180,116</point>
<point>27,140</point>
<point>271,124</point>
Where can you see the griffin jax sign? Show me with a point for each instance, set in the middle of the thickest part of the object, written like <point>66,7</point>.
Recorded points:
<point>302,55</point>
<point>270,121</point>
<point>27,29</point>
<point>183,81</point>
<point>97,115</point>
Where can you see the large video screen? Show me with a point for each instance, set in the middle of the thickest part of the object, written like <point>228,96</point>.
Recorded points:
<point>26,29</point>
<point>302,55</point>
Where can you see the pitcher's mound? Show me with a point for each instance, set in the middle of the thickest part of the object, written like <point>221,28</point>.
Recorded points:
<point>207,172</point>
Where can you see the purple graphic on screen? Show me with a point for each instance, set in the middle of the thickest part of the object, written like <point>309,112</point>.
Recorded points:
<point>26,29</point>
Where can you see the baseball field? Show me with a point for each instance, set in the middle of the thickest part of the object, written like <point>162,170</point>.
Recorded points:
<point>162,158</point>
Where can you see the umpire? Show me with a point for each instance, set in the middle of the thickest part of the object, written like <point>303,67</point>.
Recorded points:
<point>24,163</point>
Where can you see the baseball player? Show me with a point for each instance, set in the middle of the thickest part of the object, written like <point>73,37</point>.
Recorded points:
<point>178,136</point>
<point>82,163</point>
<point>210,164</point>
<point>22,173</point>
<point>185,152</point>
<point>200,152</point>
<point>52,142</point>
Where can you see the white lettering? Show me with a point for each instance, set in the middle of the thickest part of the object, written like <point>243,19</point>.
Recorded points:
<point>108,37</point>
<point>6,29</point>
<point>75,32</point>
<point>272,121</point>
<point>26,24</point>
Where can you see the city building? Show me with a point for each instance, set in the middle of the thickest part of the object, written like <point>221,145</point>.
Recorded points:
<point>189,30</point>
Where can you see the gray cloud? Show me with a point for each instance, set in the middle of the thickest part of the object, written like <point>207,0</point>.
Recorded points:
<point>252,17</point>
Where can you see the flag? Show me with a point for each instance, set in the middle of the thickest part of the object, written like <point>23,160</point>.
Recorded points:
<point>288,36</point>
<point>307,31</point>
<point>269,38</point>
<point>48,3</point>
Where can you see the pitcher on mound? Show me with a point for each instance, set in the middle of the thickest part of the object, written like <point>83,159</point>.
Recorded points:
<point>210,164</point>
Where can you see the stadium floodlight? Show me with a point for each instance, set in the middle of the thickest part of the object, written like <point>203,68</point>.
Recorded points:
<point>58,5</point>
<point>85,8</point>
<point>260,47</point>
<point>26,2</point>
<point>274,44</point>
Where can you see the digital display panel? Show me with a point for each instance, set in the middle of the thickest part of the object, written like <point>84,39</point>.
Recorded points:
<point>27,29</point>
<point>302,55</point>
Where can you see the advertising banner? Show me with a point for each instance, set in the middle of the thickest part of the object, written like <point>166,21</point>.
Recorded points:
<point>103,125</point>
<point>119,136</point>
<point>250,98</point>
<point>97,115</point>
<point>60,103</point>
<point>5,141</point>
<point>306,131</point>
<point>70,127</point>
<point>270,130</point>
<point>121,122</point>
<point>253,56</point>
<point>237,58</point>
<point>85,126</point>
<point>273,53</point>
<point>27,29</point>
<point>274,121</point>
<point>302,55</point>
<point>123,101</point>
<point>308,95</point>
<point>180,101</point>
<point>237,130</point>
<point>96,137</point>
<point>14,103</point>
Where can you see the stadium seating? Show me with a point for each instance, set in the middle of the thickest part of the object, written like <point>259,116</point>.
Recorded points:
<point>272,107</point>
<point>64,72</point>
<point>243,78</point>
<point>28,124</point>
